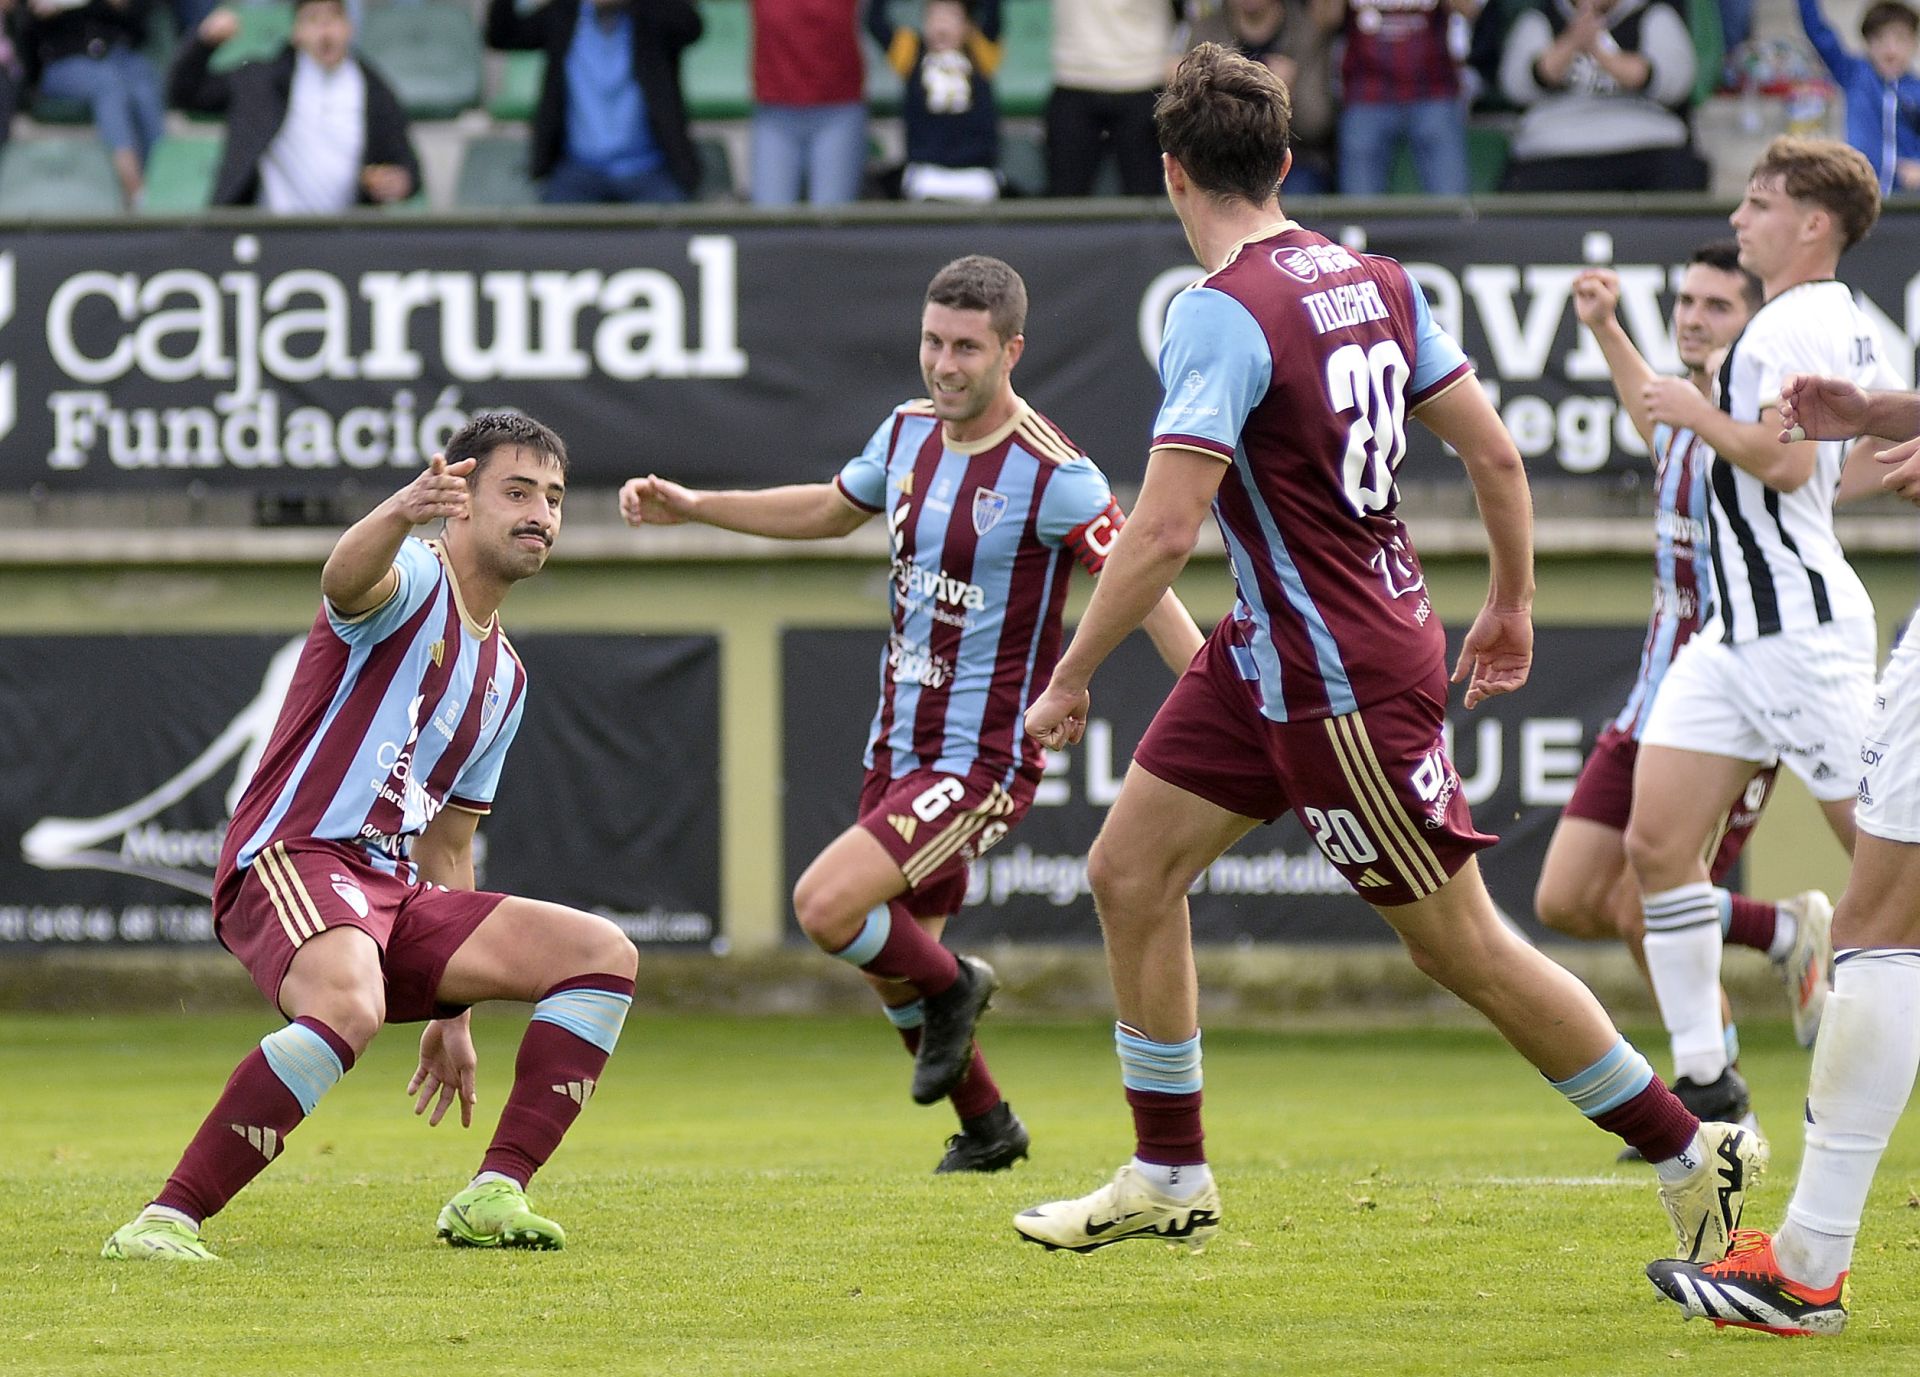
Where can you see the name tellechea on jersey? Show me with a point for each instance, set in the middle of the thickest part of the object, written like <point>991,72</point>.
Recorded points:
<point>1298,364</point>
<point>392,716</point>
<point>983,538</point>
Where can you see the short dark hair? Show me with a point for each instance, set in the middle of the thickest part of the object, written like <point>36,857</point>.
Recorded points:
<point>491,431</point>
<point>1226,120</point>
<point>979,283</point>
<point>1888,12</point>
<point>1831,175</point>
<point>1723,255</point>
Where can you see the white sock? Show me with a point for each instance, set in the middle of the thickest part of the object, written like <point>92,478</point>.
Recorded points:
<point>1863,1073</point>
<point>1181,1182</point>
<point>1683,957</point>
<point>487,1176</point>
<point>1686,1164</point>
<point>168,1212</point>
<point>1786,928</point>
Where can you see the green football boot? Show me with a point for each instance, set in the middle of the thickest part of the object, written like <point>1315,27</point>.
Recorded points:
<point>494,1214</point>
<point>155,1240</point>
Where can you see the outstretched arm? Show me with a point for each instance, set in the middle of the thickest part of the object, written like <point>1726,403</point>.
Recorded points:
<point>801,511</point>
<point>1752,445</point>
<point>359,575</point>
<point>1596,301</point>
<point>1149,554</point>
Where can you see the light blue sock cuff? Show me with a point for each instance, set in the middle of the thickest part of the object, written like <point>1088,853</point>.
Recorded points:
<point>873,936</point>
<point>1732,1039</point>
<point>905,1016</point>
<point>1724,899</point>
<point>304,1063</point>
<point>1609,1083</point>
<point>593,1016</point>
<point>1166,1068</point>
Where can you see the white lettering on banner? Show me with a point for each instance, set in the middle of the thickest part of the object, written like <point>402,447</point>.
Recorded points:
<point>1549,759</point>
<point>1062,879</point>
<point>75,923</point>
<point>242,328</point>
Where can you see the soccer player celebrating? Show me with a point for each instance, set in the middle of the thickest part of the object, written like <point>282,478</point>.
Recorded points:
<point>1786,668</point>
<point>1795,1282</point>
<point>346,884</point>
<point>1586,888</point>
<point>1289,371</point>
<point>988,506</point>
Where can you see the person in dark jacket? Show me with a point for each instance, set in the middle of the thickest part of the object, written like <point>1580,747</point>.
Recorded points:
<point>611,124</point>
<point>313,131</point>
<point>89,51</point>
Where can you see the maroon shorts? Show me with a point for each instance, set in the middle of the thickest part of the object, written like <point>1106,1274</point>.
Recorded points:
<point>296,890</point>
<point>1604,794</point>
<point>1375,789</point>
<point>933,825</point>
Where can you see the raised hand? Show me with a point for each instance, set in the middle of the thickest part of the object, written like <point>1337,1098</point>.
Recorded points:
<point>1596,296</point>
<point>654,501</point>
<point>439,491</point>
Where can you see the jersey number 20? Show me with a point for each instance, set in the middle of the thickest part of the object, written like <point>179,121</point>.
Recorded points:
<point>1372,384</point>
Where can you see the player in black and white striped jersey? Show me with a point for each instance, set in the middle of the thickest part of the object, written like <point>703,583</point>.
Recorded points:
<point>1788,669</point>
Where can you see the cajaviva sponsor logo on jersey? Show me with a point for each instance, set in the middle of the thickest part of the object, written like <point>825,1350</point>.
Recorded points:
<point>918,583</point>
<point>399,787</point>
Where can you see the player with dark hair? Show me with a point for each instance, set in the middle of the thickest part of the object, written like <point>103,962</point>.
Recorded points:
<point>346,883</point>
<point>1785,669</point>
<point>988,506</point>
<point>1795,1281</point>
<point>1290,370</point>
<point>1586,887</point>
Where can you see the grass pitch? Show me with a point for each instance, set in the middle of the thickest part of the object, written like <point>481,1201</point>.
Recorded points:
<point>754,1196</point>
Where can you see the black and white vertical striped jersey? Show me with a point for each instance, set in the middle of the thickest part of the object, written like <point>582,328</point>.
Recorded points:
<point>1776,563</point>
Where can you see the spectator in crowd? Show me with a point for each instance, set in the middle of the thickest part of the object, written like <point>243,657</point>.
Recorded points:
<point>611,125</point>
<point>952,123</point>
<point>13,70</point>
<point>89,51</point>
<point>1400,87</point>
<point>1294,38</point>
<point>313,131</point>
<point>809,124</point>
<point>1883,95</point>
<point>1110,59</point>
<point>1604,84</point>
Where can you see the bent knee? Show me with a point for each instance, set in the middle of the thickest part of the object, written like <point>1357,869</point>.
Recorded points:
<point>356,1015</point>
<point>1121,884</point>
<point>614,952</point>
<point>1571,912</point>
<point>823,915</point>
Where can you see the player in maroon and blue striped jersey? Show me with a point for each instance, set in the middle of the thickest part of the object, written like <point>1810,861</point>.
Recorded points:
<point>346,883</point>
<point>989,507</point>
<point>1290,371</point>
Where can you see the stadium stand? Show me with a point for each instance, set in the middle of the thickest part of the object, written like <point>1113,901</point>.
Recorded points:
<point>518,90</point>
<point>180,174</point>
<point>57,177</point>
<point>714,71</point>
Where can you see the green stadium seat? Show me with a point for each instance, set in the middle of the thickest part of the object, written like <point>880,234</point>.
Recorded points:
<point>518,94</point>
<point>264,30</point>
<point>493,172</point>
<point>57,176</point>
<point>1026,65</point>
<point>180,174</point>
<point>1023,163</point>
<point>1709,46</point>
<point>714,73</point>
<point>430,54</point>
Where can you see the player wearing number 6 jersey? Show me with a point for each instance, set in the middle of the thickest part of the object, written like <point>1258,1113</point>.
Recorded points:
<point>1290,371</point>
<point>988,507</point>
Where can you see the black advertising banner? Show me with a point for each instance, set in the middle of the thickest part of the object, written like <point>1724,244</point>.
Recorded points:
<point>1518,756</point>
<point>310,358</point>
<point>121,756</point>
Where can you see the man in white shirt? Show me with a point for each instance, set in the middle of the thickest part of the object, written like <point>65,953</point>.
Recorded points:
<point>313,131</point>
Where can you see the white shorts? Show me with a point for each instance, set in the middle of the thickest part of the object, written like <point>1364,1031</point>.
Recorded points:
<point>1800,696</point>
<point>1889,800</point>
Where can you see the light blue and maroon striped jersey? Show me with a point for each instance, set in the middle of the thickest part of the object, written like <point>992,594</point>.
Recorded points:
<point>392,715</point>
<point>1397,52</point>
<point>984,537</point>
<point>1682,564</point>
<point>1299,363</point>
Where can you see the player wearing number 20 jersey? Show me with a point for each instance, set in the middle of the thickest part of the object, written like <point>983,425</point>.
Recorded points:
<point>1332,614</point>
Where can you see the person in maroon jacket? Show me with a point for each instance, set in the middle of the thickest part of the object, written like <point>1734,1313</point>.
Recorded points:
<point>809,127</point>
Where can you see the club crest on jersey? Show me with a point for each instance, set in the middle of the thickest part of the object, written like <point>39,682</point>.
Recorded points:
<point>438,650</point>
<point>988,507</point>
<point>490,705</point>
